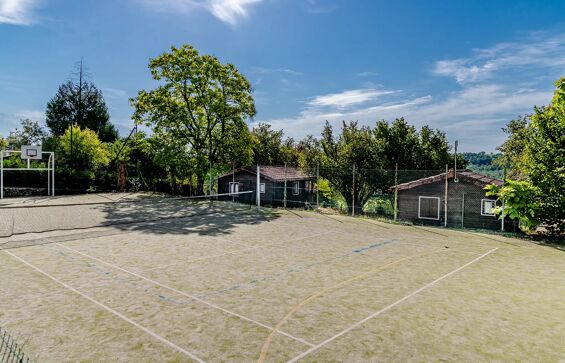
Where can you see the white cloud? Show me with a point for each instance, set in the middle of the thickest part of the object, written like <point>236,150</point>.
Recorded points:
<point>473,115</point>
<point>17,12</point>
<point>262,70</point>
<point>34,115</point>
<point>366,74</point>
<point>348,98</point>
<point>228,11</point>
<point>496,85</point>
<point>538,50</point>
<point>114,93</point>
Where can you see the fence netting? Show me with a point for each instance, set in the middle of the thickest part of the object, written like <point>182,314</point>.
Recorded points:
<point>10,350</point>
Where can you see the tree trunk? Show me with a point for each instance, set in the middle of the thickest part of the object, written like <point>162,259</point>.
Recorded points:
<point>199,185</point>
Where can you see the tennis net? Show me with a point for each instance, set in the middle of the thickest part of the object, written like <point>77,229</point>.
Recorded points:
<point>35,215</point>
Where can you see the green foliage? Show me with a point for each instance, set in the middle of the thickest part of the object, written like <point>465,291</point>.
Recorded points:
<point>521,202</point>
<point>82,105</point>
<point>375,153</point>
<point>536,148</point>
<point>78,171</point>
<point>31,133</point>
<point>269,147</point>
<point>201,105</point>
<point>3,143</point>
<point>485,163</point>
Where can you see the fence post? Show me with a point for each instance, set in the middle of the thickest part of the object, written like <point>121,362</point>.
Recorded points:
<point>463,211</point>
<point>1,174</point>
<point>258,190</point>
<point>317,185</point>
<point>395,191</point>
<point>445,198</point>
<point>353,194</point>
<point>284,191</point>
<point>503,204</point>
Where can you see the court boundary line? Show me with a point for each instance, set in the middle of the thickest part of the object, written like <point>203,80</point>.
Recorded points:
<point>202,301</point>
<point>109,309</point>
<point>388,307</point>
<point>295,308</point>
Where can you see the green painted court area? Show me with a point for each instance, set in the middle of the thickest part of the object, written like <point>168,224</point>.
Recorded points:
<point>243,285</point>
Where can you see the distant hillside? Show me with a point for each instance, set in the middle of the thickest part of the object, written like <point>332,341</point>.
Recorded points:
<point>483,163</point>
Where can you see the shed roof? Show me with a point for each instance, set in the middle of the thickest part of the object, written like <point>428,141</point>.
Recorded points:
<point>464,175</point>
<point>276,173</point>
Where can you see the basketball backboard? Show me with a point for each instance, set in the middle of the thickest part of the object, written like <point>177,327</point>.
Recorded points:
<point>30,152</point>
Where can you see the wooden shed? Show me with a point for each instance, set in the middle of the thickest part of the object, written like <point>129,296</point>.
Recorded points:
<point>423,201</point>
<point>299,184</point>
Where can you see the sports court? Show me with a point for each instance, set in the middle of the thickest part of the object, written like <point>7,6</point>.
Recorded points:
<point>145,279</point>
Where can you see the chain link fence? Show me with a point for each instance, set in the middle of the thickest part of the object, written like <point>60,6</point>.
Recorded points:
<point>424,197</point>
<point>10,350</point>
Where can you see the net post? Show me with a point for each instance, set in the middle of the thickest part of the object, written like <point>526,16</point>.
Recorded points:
<point>445,197</point>
<point>318,185</point>
<point>49,175</point>
<point>258,190</point>
<point>463,211</point>
<point>395,191</point>
<point>353,194</point>
<point>1,174</point>
<point>232,180</point>
<point>503,203</point>
<point>53,174</point>
<point>284,191</point>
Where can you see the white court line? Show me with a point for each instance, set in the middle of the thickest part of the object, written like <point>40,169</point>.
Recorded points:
<point>345,331</point>
<point>109,309</point>
<point>236,251</point>
<point>212,305</point>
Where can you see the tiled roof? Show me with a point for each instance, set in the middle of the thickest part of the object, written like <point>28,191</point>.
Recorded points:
<point>463,175</point>
<point>276,173</point>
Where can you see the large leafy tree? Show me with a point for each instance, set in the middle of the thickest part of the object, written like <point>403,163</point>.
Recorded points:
<point>80,103</point>
<point>78,170</point>
<point>536,149</point>
<point>30,133</point>
<point>355,145</point>
<point>375,153</point>
<point>201,103</point>
<point>270,147</point>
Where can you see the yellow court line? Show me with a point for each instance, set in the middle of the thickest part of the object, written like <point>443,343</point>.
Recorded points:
<point>298,306</point>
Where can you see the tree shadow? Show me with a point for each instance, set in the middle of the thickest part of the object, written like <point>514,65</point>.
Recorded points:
<point>179,216</point>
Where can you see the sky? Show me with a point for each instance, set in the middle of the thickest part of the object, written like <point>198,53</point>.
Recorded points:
<point>464,67</point>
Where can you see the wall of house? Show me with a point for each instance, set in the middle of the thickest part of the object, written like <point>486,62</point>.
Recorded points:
<point>274,191</point>
<point>463,206</point>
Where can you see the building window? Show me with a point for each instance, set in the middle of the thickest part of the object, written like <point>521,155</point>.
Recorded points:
<point>428,208</point>
<point>487,207</point>
<point>296,188</point>
<point>234,188</point>
<point>262,188</point>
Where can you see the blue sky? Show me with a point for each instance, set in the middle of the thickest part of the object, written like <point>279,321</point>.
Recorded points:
<point>465,67</point>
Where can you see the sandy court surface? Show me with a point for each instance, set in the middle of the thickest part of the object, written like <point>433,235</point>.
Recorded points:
<point>230,286</point>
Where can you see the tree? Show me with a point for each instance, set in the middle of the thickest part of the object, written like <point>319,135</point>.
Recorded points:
<point>80,103</point>
<point>513,149</point>
<point>269,147</point>
<point>89,155</point>
<point>201,103</point>
<point>31,133</point>
<point>536,148</point>
<point>375,154</point>
<point>355,145</point>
